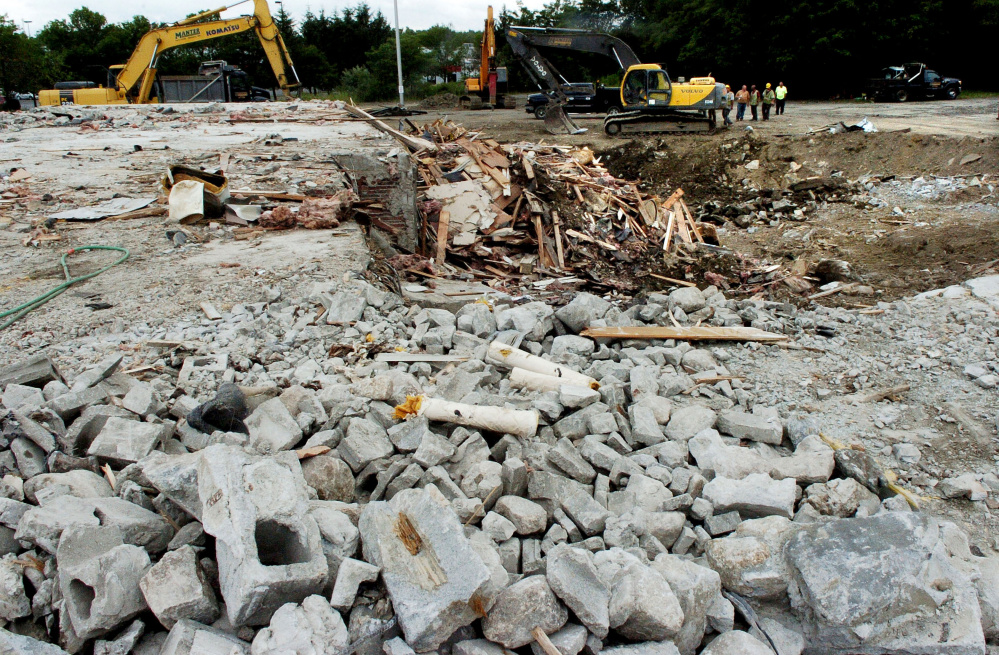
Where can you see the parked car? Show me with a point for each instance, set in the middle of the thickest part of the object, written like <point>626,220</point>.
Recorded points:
<point>913,81</point>
<point>584,98</point>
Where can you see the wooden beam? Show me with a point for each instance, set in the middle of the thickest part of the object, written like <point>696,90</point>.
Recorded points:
<point>683,334</point>
<point>411,142</point>
<point>442,228</point>
<point>682,283</point>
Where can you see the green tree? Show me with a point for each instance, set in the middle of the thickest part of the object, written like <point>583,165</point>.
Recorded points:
<point>24,65</point>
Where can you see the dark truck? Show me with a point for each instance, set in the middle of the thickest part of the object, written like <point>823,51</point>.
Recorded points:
<point>911,82</point>
<point>584,98</point>
<point>216,81</point>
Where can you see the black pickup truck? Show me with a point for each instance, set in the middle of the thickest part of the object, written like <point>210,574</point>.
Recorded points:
<point>584,98</point>
<point>913,81</point>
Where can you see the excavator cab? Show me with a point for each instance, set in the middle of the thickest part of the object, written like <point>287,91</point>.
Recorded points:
<point>645,85</point>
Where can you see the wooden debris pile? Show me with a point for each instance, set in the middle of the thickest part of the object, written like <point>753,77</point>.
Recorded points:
<point>503,211</point>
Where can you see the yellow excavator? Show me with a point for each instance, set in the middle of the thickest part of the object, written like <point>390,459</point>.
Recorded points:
<point>489,89</point>
<point>649,101</point>
<point>134,80</point>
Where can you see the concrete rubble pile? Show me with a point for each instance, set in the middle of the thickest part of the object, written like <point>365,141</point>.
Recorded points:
<point>407,479</point>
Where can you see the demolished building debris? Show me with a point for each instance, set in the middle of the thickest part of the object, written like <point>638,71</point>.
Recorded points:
<point>333,466</point>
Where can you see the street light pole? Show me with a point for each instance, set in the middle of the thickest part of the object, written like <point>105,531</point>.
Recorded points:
<point>27,24</point>
<point>398,57</point>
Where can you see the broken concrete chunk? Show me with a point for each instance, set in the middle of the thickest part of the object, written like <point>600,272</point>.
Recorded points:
<point>736,642</point>
<point>124,441</point>
<point>585,512</point>
<point>312,627</point>
<point>433,576</point>
<point>192,638</point>
<point>365,442</point>
<point>527,517</point>
<point>138,526</point>
<point>349,577</point>
<point>99,585</point>
<point>696,587</point>
<point>176,477</point>
<point>643,606</point>
<point>272,428</point>
<point>43,526</point>
<point>750,561</point>
<point>686,422</point>
<point>754,496</point>
<point>573,577</point>
<point>176,588</point>
<point>16,396</point>
<point>268,547</point>
<point>755,427</point>
<point>330,477</point>
<point>520,608</point>
<point>100,371</point>
<point>14,603</point>
<point>584,309</point>
<point>896,587</point>
<point>15,644</point>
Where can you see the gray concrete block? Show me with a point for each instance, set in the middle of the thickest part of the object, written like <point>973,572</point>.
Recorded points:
<point>432,574</point>
<point>312,628</point>
<point>124,441</point>
<point>520,608</point>
<point>99,579</point>
<point>365,442</point>
<point>268,547</point>
<point>349,577</point>
<point>176,588</point>
<point>138,526</point>
<point>272,428</point>
<point>193,638</point>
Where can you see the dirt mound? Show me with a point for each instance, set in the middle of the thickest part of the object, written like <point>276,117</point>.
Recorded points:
<point>440,101</point>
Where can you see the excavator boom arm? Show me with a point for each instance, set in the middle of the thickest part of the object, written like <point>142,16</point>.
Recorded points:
<point>581,41</point>
<point>141,64</point>
<point>544,74</point>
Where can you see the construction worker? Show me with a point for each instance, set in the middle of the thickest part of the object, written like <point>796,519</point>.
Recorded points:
<point>780,94</point>
<point>754,101</point>
<point>742,97</point>
<point>768,101</point>
<point>727,101</point>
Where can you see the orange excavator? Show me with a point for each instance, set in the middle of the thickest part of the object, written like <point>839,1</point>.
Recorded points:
<point>134,80</point>
<point>489,89</point>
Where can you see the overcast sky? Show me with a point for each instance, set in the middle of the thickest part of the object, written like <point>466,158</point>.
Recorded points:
<point>418,14</point>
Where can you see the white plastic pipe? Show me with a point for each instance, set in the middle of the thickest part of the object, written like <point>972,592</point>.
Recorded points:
<point>520,423</point>
<point>505,355</point>
<point>521,378</point>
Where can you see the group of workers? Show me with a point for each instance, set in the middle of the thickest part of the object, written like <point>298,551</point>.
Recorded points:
<point>750,96</point>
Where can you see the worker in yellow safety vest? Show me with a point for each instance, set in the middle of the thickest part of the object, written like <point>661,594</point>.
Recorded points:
<point>781,93</point>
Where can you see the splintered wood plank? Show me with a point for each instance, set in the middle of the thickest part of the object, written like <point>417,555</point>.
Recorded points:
<point>558,240</point>
<point>684,334</point>
<point>668,203</point>
<point>690,218</point>
<point>442,227</point>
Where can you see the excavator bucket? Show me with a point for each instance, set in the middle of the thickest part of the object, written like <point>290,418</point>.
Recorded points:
<point>558,122</point>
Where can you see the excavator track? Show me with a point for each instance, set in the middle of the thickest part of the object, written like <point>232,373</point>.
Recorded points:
<point>639,122</point>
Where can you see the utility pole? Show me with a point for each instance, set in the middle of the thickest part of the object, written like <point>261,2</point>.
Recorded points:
<point>398,57</point>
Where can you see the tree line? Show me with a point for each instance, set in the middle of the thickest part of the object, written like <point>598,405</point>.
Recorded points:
<point>820,48</point>
<point>351,50</point>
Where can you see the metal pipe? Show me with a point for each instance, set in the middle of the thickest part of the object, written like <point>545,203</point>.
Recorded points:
<point>197,17</point>
<point>398,57</point>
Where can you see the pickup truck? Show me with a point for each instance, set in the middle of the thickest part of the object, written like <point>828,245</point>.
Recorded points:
<point>584,98</point>
<point>913,81</point>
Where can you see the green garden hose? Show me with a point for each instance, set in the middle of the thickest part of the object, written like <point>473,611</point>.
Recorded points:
<point>22,310</point>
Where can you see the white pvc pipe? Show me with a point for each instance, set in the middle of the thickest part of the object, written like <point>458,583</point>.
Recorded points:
<point>505,355</point>
<point>521,378</point>
<point>520,423</point>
